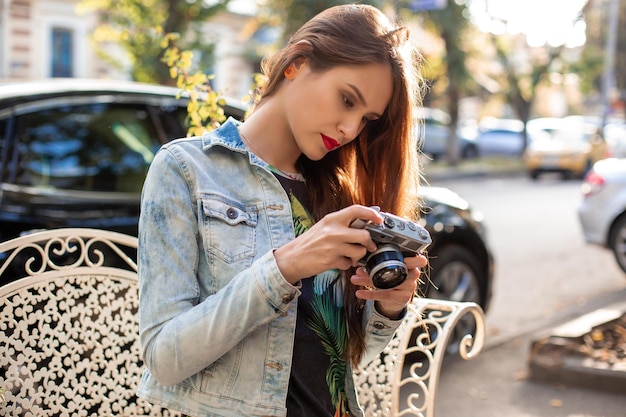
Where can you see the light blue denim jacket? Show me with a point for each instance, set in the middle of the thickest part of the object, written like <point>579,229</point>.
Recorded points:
<point>217,318</point>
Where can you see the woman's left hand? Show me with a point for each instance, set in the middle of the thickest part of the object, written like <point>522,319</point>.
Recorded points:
<point>392,301</point>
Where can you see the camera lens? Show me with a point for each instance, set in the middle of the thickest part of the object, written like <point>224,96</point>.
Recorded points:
<point>386,267</point>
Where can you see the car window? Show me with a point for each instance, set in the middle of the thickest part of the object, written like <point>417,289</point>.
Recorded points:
<point>86,147</point>
<point>573,134</point>
<point>4,148</point>
<point>506,134</point>
<point>172,119</point>
<point>434,122</point>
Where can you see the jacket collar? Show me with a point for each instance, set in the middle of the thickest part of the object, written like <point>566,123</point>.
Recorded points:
<point>227,135</point>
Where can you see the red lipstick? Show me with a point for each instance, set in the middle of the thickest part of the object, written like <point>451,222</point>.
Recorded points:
<point>329,142</point>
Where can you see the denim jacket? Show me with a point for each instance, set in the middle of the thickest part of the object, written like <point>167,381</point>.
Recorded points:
<point>217,318</point>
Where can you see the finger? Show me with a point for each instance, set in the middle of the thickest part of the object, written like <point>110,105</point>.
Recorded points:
<point>366,294</point>
<point>362,278</point>
<point>398,296</point>
<point>367,214</point>
<point>419,261</point>
<point>334,221</point>
<point>343,263</point>
<point>362,241</point>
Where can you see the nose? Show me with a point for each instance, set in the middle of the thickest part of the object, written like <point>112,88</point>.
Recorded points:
<point>350,127</point>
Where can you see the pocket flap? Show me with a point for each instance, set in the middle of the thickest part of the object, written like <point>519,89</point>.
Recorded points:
<point>229,213</point>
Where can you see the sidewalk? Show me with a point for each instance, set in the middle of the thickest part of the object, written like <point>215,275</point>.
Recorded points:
<point>588,352</point>
<point>473,168</point>
<point>536,373</point>
<point>500,382</point>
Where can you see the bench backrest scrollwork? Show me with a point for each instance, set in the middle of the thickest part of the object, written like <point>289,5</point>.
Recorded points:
<point>69,325</point>
<point>403,380</point>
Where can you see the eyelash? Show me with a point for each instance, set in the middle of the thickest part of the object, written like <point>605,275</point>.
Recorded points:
<point>349,104</point>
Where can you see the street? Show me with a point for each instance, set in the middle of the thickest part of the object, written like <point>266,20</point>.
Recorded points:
<point>545,276</point>
<point>543,266</point>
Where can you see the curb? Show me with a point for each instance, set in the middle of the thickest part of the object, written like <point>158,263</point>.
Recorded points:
<point>555,357</point>
<point>455,174</point>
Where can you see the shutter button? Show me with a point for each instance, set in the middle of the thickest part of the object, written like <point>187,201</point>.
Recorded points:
<point>231,213</point>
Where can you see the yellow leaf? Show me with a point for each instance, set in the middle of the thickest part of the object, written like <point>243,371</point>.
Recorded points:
<point>556,403</point>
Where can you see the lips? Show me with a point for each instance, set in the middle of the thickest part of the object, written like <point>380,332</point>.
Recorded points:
<point>329,142</point>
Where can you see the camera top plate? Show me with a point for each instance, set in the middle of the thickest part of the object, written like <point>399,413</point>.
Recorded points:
<point>408,236</point>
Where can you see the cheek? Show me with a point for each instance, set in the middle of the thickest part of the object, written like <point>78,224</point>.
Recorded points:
<point>296,108</point>
<point>317,97</point>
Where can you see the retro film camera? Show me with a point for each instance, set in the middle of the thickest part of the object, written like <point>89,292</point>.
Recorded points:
<point>395,237</point>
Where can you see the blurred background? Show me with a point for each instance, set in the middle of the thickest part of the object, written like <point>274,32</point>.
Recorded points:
<point>484,59</point>
<point>518,91</point>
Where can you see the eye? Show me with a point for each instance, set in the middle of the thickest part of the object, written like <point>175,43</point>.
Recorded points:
<point>370,119</point>
<point>347,102</point>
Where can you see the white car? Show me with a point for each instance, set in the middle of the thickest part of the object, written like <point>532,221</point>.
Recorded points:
<point>435,130</point>
<point>602,212</point>
<point>500,137</point>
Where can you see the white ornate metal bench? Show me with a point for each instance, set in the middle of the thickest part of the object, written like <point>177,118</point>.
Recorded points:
<point>403,380</point>
<point>69,334</point>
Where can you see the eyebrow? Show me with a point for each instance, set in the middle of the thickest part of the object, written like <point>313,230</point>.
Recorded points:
<point>361,98</point>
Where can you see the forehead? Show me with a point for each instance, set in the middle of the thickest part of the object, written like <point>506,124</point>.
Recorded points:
<point>373,81</point>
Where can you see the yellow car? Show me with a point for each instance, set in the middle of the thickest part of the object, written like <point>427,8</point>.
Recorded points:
<point>563,146</point>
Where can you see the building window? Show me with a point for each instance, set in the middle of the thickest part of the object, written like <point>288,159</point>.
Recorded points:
<point>62,52</point>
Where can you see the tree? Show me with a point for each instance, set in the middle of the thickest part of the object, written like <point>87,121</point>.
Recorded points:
<point>522,72</point>
<point>453,26</point>
<point>591,66</point>
<point>522,69</point>
<point>138,26</point>
<point>291,14</point>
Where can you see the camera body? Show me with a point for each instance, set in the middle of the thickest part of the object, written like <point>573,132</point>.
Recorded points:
<point>396,238</point>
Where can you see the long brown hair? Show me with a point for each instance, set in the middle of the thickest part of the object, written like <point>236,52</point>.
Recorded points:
<point>380,167</point>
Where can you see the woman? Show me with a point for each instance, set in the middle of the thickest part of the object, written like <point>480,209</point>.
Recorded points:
<point>251,299</point>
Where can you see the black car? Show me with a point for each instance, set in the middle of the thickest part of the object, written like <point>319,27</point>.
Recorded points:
<point>74,153</point>
<point>461,261</point>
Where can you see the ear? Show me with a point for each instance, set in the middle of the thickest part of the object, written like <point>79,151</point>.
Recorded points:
<point>297,63</point>
<point>302,49</point>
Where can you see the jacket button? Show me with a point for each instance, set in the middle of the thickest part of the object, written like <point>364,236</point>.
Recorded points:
<point>231,213</point>
<point>379,325</point>
<point>287,298</point>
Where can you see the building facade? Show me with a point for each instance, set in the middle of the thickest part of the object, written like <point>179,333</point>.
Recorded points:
<point>47,38</point>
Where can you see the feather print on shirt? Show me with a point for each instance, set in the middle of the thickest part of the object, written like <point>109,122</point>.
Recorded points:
<point>328,321</point>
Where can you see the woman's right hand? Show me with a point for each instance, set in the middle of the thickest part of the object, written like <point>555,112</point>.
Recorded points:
<point>329,244</point>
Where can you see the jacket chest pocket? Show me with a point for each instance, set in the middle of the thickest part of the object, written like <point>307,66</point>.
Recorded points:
<point>229,230</point>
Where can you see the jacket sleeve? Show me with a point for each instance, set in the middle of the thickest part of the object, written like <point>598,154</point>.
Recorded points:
<point>181,334</point>
<point>379,330</point>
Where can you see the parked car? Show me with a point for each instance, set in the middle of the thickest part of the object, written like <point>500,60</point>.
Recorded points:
<point>615,136</point>
<point>602,212</point>
<point>75,154</point>
<point>435,134</point>
<point>566,146</point>
<point>613,129</point>
<point>461,260</point>
<point>500,137</point>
